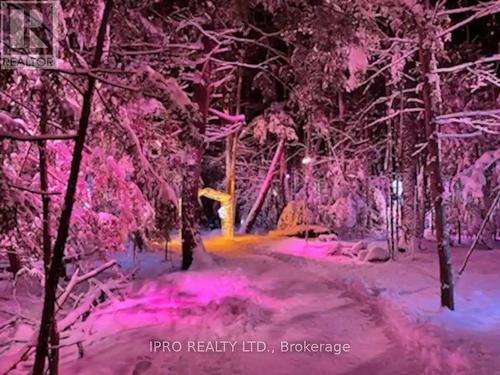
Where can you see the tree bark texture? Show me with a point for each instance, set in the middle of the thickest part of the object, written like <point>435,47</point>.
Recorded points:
<point>434,169</point>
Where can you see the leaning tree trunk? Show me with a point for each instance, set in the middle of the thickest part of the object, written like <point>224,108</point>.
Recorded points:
<point>282,201</point>
<point>431,109</point>
<point>193,148</point>
<point>490,230</point>
<point>65,219</point>
<point>266,184</point>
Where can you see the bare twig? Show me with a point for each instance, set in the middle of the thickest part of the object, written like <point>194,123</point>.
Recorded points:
<point>34,191</point>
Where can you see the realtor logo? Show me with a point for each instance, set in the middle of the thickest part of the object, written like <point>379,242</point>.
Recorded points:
<point>28,34</point>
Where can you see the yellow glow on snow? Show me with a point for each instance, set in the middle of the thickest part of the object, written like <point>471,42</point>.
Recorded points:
<point>217,243</point>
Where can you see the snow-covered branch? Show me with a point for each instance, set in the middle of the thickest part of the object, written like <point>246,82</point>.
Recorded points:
<point>76,279</point>
<point>457,68</point>
<point>493,113</point>
<point>460,135</point>
<point>213,134</point>
<point>227,117</point>
<point>482,10</point>
<point>479,120</point>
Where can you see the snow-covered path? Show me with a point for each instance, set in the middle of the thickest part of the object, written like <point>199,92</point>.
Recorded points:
<point>253,294</point>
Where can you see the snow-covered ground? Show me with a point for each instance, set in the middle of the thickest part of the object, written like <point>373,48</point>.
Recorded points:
<point>380,318</point>
<point>406,295</point>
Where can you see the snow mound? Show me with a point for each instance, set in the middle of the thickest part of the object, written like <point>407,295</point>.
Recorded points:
<point>295,213</point>
<point>216,301</point>
<point>362,251</point>
<point>374,253</point>
<point>355,249</point>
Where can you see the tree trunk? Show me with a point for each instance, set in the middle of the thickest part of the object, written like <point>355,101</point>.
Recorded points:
<point>8,220</point>
<point>231,149</point>
<point>282,198</point>
<point>54,351</point>
<point>46,241</point>
<point>420,199</point>
<point>14,260</point>
<point>65,219</point>
<point>434,168</point>
<point>266,184</point>
<point>190,209</point>
<point>391,175</point>
<point>231,143</point>
<point>44,185</point>
<point>193,148</point>
<point>409,225</point>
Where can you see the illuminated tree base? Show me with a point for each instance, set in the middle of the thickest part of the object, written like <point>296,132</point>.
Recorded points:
<point>225,212</point>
